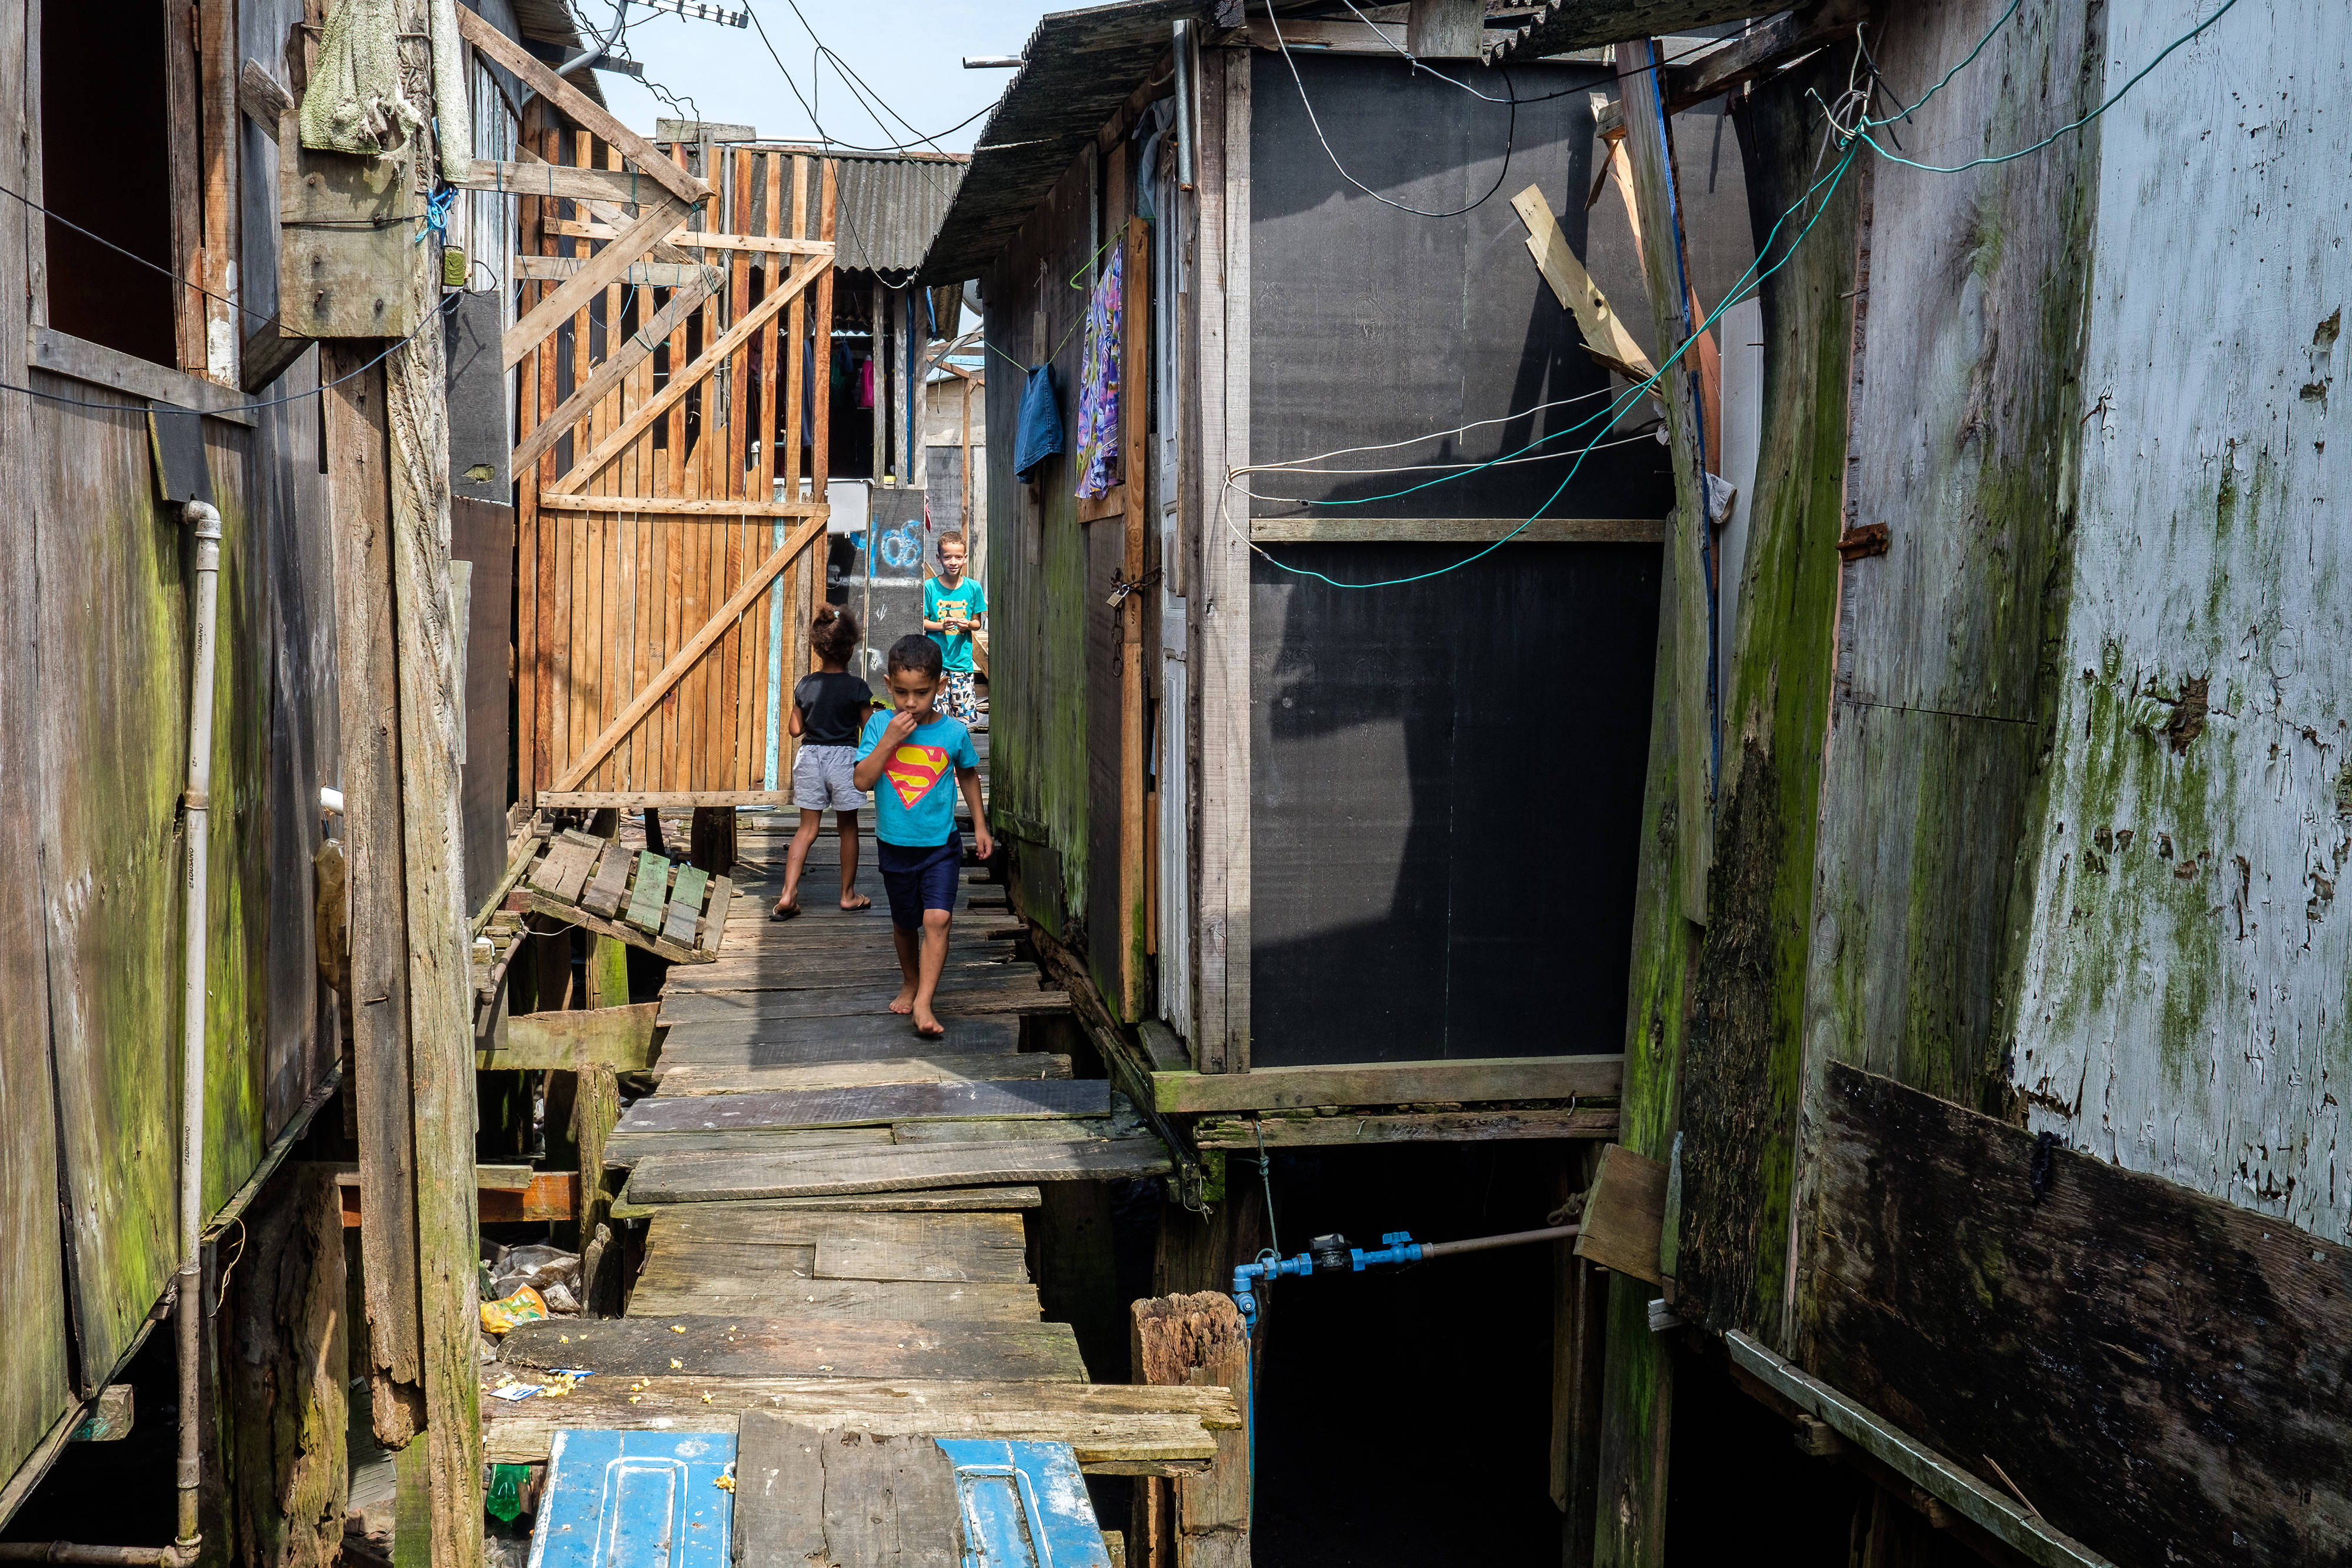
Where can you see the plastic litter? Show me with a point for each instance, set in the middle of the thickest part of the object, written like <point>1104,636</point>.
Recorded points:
<point>524,1306</point>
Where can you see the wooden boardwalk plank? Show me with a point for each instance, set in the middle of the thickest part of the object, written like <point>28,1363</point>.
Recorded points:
<point>736,1297</point>
<point>627,1148</point>
<point>685,915</point>
<point>650,893</point>
<point>690,1080</point>
<point>1107,1424</point>
<point>869,1105</point>
<point>941,1258</point>
<point>877,1037</point>
<point>691,1178</point>
<point>756,1225</point>
<point>611,882</point>
<point>1018,997</point>
<point>913,1200</point>
<point>844,1496</point>
<point>704,1346</point>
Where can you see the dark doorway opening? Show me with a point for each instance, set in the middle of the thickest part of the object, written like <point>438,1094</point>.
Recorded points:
<point>106,177</point>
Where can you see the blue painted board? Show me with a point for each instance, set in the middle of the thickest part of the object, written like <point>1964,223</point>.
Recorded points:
<point>636,1500</point>
<point>1025,1505</point>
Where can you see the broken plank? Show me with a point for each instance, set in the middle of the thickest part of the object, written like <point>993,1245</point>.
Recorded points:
<point>1624,1214</point>
<point>1439,1127</point>
<point>573,914</point>
<point>576,1040</point>
<point>852,1497</point>
<point>1105,1423</point>
<point>714,920</point>
<point>709,1346</point>
<point>702,1178</point>
<point>1388,1083</point>
<point>1005,1065</point>
<point>866,1105</point>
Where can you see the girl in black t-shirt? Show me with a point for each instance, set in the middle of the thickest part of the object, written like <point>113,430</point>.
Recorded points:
<point>829,708</point>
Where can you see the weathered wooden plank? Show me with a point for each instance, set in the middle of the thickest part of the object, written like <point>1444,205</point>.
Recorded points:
<point>694,1227</point>
<point>866,1105</point>
<point>1624,1213</point>
<point>584,111</point>
<point>994,994</point>
<point>737,1296</point>
<point>360,497</point>
<point>944,1257</point>
<point>1426,1127</point>
<point>542,179</point>
<point>939,1200</point>
<point>685,911</point>
<point>610,884</point>
<point>1456,530</point>
<point>1197,1341</point>
<point>2098,1326</point>
<point>1389,1084</point>
<point>650,893</point>
<point>575,1040</point>
<point>701,1178</point>
<point>1048,1131</point>
<point>814,1347</point>
<point>712,934</point>
<point>873,1037</point>
<point>889,1501</point>
<point>783,1077</point>
<point>624,1147</point>
<point>1106,1423</point>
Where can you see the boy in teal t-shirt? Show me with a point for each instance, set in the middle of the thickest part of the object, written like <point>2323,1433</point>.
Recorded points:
<point>904,759</point>
<point>954,606</point>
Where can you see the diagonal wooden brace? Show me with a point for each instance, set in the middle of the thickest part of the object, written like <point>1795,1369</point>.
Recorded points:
<point>684,659</point>
<point>616,365</point>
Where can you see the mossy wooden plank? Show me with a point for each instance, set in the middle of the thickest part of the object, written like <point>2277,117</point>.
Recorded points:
<point>872,1104</point>
<point>685,906</point>
<point>650,891</point>
<point>1389,1084</point>
<point>692,1178</point>
<point>943,1069</point>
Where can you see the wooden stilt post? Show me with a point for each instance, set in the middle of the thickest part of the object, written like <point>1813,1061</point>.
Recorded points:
<point>1195,1522</point>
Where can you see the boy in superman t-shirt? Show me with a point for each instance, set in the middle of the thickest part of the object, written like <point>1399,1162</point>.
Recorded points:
<point>903,761</point>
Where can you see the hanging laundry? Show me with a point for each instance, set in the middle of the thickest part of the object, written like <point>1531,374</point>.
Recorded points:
<point>1098,383</point>
<point>1040,433</point>
<point>865,381</point>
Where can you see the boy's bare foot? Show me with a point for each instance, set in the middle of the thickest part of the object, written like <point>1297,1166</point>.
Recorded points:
<point>856,900</point>
<point>904,1002</point>
<point>927,1025</point>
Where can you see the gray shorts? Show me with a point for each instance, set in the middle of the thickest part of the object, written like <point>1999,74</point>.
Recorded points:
<point>821,780</point>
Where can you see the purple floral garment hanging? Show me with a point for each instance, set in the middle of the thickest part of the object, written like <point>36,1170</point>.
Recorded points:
<point>1098,383</point>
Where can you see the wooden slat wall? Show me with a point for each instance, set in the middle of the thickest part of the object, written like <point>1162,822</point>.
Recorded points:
<point>608,597</point>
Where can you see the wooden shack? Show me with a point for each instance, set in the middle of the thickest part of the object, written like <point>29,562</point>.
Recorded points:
<point>1943,826</point>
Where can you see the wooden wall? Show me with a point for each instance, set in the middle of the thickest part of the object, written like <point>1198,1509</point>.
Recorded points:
<point>93,725</point>
<point>1053,682</point>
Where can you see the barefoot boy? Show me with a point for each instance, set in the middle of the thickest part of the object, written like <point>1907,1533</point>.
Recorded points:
<point>904,759</point>
<point>954,607</point>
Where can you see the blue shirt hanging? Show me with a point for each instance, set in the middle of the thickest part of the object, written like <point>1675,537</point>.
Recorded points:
<point>1040,434</point>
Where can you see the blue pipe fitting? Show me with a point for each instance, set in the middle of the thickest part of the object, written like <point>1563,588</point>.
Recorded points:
<point>1328,1253</point>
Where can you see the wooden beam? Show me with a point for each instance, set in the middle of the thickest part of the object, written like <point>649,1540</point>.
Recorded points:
<point>539,178</point>
<point>683,379</point>
<point>697,239</point>
<point>1389,1084</point>
<point>633,351</point>
<point>62,354</point>
<point>1134,962</point>
<point>1427,1127</point>
<point>681,505</point>
<point>359,500</point>
<point>657,688</point>
<point>574,294</point>
<point>1777,42</point>
<point>1605,337</point>
<point>2023,1531</point>
<point>577,1039</point>
<point>1106,1424</point>
<point>633,799</point>
<point>1650,162</point>
<point>268,354</point>
<point>262,97</point>
<point>1342,530</point>
<point>640,275</point>
<point>498,1200</point>
<point>585,112</point>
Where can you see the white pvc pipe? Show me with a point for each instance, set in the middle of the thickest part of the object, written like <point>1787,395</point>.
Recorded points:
<point>204,523</point>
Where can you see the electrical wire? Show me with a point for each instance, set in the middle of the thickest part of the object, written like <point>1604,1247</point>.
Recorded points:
<point>1510,137</point>
<point>397,344</point>
<point>134,255</point>
<point>810,109</point>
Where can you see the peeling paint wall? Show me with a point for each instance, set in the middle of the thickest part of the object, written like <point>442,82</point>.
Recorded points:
<point>2184,977</point>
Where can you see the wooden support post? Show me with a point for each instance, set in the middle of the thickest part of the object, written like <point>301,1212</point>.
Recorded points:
<point>1195,1340</point>
<point>1580,1323</point>
<point>1221,1015</point>
<point>878,319</point>
<point>1135,360</point>
<point>359,494</point>
<point>1654,205</point>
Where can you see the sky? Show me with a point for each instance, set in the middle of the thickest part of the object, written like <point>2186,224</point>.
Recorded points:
<point>909,52</point>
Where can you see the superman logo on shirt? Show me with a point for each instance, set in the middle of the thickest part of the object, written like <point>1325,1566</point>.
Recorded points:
<point>913,769</point>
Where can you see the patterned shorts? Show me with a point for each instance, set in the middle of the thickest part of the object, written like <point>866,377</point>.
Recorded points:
<point>957,698</point>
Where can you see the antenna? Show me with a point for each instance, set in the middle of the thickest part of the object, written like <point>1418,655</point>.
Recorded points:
<point>695,11</point>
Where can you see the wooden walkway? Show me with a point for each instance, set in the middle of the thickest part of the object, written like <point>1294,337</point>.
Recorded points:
<point>836,1207</point>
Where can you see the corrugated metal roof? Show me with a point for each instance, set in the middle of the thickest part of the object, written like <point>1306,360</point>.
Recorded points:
<point>1565,25</point>
<point>889,209</point>
<point>1078,67</point>
<point>550,22</point>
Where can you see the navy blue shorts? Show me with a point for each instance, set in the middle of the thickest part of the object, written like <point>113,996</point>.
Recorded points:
<point>919,878</point>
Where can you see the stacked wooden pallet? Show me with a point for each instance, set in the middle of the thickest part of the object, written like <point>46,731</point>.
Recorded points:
<point>665,906</point>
